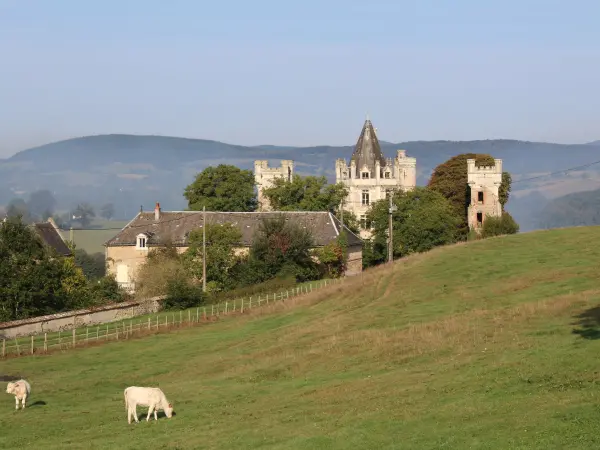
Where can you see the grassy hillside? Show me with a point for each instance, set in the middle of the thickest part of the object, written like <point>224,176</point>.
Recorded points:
<point>92,239</point>
<point>486,345</point>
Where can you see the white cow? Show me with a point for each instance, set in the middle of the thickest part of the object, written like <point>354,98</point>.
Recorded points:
<point>20,389</point>
<point>153,398</point>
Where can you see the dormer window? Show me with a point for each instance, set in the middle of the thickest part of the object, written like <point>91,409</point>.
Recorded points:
<point>141,242</point>
<point>365,175</point>
<point>386,175</point>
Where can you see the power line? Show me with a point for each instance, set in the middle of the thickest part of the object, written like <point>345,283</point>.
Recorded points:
<point>558,172</point>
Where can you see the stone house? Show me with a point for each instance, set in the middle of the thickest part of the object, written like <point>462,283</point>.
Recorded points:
<point>126,251</point>
<point>50,236</point>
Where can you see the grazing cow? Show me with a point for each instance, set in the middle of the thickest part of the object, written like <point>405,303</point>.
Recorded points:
<point>153,398</point>
<point>21,390</point>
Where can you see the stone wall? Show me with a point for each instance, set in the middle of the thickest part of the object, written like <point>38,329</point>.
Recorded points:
<point>75,319</point>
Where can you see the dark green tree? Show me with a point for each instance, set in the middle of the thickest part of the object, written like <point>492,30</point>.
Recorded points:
<point>499,226</point>
<point>41,204</point>
<point>107,211</point>
<point>284,247</point>
<point>84,213</point>
<point>424,219</point>
<point>308,193</point>
<point>221,241</point>
<point>222,188</point>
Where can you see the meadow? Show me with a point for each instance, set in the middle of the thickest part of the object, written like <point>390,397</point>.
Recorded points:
<point>92,238</point>
<point>486,345</point>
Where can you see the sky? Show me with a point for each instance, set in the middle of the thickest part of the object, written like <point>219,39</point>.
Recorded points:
<point>299,72</point>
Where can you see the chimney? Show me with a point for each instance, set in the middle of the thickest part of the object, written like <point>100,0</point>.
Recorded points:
<point>157,212</point>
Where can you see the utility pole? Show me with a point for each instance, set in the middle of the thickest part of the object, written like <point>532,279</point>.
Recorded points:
<point>204,249</point>
<point>391,210</point>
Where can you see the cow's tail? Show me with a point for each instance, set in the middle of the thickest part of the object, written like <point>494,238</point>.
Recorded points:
<point>126,405</point>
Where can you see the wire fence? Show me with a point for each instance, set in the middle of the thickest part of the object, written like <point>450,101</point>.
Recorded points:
<point>91,335</point>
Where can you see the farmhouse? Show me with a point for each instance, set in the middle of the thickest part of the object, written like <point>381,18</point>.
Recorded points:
<point>126,251</point>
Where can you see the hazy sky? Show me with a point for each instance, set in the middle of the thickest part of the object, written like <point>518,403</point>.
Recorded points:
<point>299,72</point>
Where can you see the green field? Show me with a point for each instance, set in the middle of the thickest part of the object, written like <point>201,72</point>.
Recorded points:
<point>92,239</point>
<point>487,345</point>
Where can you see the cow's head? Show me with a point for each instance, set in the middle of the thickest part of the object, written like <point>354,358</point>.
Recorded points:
<point>169,411</point>
<point>10,388</point>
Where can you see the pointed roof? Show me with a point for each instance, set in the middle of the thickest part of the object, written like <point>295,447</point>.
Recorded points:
<point>367,149</point>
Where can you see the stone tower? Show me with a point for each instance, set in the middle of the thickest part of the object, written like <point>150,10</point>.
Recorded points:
<point>264,176</point>
<point>371,176</point>
<point>485,183</point>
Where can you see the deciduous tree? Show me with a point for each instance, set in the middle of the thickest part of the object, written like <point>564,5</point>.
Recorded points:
<point>308,193</point>
<point>424,219</point>
<point>222,188</point>
<point>450,180</point>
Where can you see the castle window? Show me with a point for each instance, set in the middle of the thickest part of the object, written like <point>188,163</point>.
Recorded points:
<point>365,174</point>
<point>480,196</point>
<point>365,198</point>
<point>386,175</point>
<point>479,219</point>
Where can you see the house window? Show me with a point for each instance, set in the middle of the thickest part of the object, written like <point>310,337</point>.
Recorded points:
<point>142,240</point>
<point>479,219</point>
<point>365,175</point>
<point>364,224</point>
<point>365,198</point>
<point>480,196</point>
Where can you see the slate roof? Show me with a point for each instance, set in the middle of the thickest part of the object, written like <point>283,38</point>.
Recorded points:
<point>367,149</point>
<point>175,226</point>
<point>52,238</point>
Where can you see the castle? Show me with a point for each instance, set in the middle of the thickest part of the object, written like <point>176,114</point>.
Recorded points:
<point>484,182</point>
<point>371,177</point>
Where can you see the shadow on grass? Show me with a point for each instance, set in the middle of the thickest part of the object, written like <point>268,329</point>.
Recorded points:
<point>37,403</point>
<point>10,377</point>
<point>588,324</point>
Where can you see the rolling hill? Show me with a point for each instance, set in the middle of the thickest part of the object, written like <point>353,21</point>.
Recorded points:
<point>131,171</point>
<point>488,344</point>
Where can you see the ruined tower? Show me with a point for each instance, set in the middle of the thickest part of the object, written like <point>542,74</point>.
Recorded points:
<point>264,176</point>
<point>484,182</point>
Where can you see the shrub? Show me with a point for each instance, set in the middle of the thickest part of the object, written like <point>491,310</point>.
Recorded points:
<point>498,226</point>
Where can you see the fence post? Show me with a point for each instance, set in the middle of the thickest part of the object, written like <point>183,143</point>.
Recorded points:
<point>32,344</point>
<point>3,348</point>
<point>17,345</point>
<point>212,310</point>
<point>180,317</point>
<point>45,342</point>
<point>242,307</point>
<point>173,319</point>
<point>204,311</point>
<point>189,316</point>
<point>148,323</point>
<point>117,332</point>
<point>59,339</point>
<point>97,333</point>
<point>157,322</point>
<point>197,314</point>
<point>250,305</point>
<point>87,335</point>
<point>287,293</point>
<point>226,306</point>
<point>74,337</point>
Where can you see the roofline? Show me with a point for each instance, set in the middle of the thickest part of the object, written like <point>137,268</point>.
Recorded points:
<point>128,223</point>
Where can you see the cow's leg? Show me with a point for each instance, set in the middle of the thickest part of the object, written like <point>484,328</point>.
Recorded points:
<point>129,414</point>
<point>23,400</point>
<point>155,417</point>
<point>150,409</point>
<point>16,402</point>
<point>134,411</point>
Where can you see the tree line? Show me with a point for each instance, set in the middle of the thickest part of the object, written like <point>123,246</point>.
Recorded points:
<point>425,217</point>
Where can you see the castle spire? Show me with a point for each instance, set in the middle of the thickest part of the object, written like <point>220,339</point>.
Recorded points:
<point>367,149</point>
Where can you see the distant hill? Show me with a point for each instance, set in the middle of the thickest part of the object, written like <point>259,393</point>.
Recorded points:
<point>575,209</point>
<point>131,171</point>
